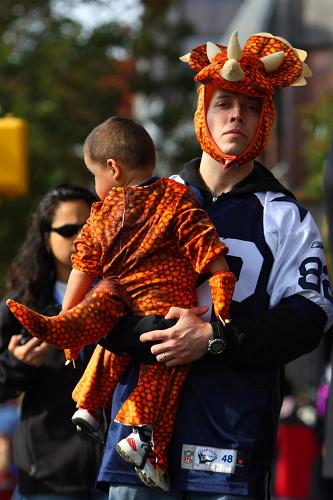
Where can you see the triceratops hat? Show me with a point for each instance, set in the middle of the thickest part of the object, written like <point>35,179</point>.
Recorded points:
<point>265,63</point>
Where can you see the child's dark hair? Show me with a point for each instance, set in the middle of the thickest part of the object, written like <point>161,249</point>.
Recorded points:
<point>123,140</point>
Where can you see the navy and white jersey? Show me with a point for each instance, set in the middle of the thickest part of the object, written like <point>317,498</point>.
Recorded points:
<point>227,417</point>
<point>275,251</point>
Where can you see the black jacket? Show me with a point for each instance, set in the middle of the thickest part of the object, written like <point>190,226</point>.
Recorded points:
<point>49,455</point>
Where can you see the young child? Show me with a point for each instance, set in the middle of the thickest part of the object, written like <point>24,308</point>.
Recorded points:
<point>150,240</point>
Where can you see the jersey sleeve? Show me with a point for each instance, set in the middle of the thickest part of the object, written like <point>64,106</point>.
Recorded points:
<point>196,235</point>
<point>299,267</point>
<point>86,257</point>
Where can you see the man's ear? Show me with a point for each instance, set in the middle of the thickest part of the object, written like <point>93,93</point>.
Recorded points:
<point>115,168</point>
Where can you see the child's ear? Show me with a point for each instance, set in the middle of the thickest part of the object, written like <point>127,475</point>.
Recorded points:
<point>115,168</point>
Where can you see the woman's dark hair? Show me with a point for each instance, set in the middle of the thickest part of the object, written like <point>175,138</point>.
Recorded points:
<point>32,272</point>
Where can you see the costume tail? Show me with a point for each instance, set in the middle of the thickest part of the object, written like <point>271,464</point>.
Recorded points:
<point>82,325</point>
<point>222,286</point>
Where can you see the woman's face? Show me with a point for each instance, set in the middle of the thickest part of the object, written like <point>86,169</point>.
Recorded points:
<point>74,212</point>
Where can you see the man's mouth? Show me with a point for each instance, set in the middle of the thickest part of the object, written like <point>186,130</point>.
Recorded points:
<point>234,131</point>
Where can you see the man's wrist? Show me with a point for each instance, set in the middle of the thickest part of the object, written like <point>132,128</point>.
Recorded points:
<point>222,331</point>
<point>216,344</point>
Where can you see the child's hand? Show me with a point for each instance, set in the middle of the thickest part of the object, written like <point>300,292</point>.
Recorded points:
<point>32,353</point>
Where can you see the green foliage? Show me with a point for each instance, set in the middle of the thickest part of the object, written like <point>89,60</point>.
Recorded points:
<point>318,125</point>
<point>59,81</point>
<point>166,82</point>
<point>64,79</point>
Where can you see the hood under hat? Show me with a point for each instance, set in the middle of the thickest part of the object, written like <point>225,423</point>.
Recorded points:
<point>265,63</point>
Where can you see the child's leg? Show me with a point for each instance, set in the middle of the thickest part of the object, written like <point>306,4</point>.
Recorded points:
<point>95,389</point>
<point>156,394</point>
<point>222,286</point>
<point>84,324</point>
<point>103,372</point>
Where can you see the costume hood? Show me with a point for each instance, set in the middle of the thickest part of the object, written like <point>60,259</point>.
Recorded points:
<point>265,63</point>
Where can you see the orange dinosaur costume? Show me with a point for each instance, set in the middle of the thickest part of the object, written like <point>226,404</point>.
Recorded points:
<point>265,63</point>
<point>150,243</point>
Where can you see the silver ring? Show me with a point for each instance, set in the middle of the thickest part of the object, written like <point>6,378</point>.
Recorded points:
<point>164,357</point>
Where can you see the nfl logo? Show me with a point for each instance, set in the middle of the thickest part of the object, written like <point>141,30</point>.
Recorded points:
<point>188,456</point>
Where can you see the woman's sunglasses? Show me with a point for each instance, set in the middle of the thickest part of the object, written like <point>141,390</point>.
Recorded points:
<point>67,230</point>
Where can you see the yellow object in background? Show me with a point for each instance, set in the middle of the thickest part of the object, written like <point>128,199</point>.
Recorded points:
<point>13,156</point>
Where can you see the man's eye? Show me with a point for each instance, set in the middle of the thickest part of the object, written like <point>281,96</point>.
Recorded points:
<point>254,106</point>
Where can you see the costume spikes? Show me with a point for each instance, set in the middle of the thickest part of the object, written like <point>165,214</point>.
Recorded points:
<point>301,54</point>
<point>272,61</point>
<point>186,57</point>
<point>212,50</point>
<point>300,82</point>
<point>234,49</point>
<point>306,71</point>
<point>232,71</point>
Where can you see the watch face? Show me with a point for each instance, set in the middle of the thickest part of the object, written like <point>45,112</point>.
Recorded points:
<point>216,346</point>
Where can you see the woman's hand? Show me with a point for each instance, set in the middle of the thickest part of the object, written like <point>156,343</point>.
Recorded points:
<point>184,342</point>
<point>32,353</point>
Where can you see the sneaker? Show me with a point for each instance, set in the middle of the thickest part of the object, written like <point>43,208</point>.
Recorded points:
<point>152,475</point>
<point>133,449</point>
<point>89,426</point>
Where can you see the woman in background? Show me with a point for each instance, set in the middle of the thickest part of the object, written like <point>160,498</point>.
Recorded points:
<point>52,461</point>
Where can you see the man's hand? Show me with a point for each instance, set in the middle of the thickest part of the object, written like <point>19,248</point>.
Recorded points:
<point>184,342</point>
<point>32,353</point>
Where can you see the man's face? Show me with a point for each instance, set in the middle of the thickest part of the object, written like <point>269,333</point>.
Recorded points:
<point>232,120</point>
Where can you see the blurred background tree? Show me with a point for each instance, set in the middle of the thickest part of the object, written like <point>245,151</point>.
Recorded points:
<point>64,76</point>
<point>317,121</point>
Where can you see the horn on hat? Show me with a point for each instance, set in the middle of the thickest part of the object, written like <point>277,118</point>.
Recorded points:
<point>212,50</point>
<point>272,61</point>
<point>186,57</point>
<point>232,71</point>
<point>234,49</point>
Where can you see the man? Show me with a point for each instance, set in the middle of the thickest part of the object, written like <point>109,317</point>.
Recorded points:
<point>225,429</point>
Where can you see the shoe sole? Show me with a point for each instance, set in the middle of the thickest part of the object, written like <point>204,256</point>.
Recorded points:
<point>125,456</point>
<point>141,473</point>
<point>86,430</point>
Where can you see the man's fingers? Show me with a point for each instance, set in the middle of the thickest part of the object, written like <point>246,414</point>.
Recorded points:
<point>199,310</point>
<point>177,312</point>
<point>152,336</point>
<point>160,348</point>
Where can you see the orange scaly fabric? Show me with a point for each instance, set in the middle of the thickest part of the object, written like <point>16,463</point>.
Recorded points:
<point>150,243</point>
<point>256,82</point>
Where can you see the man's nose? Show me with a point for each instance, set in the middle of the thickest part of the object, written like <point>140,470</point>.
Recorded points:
<point>237,113</point>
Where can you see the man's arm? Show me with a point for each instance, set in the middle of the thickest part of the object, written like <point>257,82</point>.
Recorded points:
<point>271,338</point>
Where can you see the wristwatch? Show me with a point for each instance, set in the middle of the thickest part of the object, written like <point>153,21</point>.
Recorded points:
<point>216,345</point>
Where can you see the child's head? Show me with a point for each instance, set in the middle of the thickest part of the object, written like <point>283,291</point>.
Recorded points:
<point>119,152</point>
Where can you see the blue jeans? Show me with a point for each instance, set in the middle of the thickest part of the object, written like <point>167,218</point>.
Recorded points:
<point>143,493</point>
